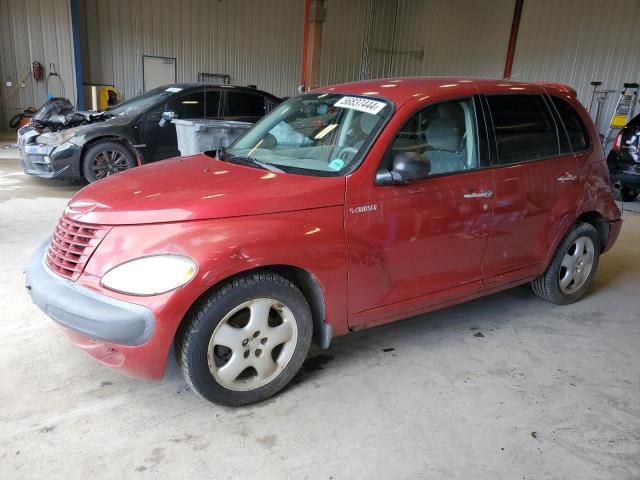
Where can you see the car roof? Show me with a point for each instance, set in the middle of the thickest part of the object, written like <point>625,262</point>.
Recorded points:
<point>185,86</point>
<point>403,89</point>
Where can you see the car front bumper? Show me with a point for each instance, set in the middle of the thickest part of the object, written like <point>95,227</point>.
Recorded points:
<point>115,332</point>
<point>47,161</point>
<point>85,311</point>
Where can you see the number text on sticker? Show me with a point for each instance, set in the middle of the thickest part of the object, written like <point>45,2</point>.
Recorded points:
<point>361,104</point>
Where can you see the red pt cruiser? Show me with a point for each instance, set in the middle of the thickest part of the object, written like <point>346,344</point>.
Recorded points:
<point>347,207</point>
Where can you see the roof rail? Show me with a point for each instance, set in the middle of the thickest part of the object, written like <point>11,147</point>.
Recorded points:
<point>561,86</point>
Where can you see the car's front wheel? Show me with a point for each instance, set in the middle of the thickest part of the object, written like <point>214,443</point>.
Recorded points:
<point>246,340</point>
<point>106,158</point>
<point>572,268</point>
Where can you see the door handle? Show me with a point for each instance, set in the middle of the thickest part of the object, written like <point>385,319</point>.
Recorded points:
<point>485,194</point>
<point>567,177</point>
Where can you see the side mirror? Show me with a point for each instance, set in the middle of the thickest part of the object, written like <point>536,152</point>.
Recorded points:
<point>407,167</point>
<point>386,177</point>
<point>166,117</point>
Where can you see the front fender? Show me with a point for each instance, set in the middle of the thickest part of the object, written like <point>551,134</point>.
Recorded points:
<point>109,130</point>
<point>312,240</point>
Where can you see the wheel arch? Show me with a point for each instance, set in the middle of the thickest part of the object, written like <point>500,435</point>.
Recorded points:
<point>310,288</point>
<point>109,138</point>
<point>592,217</point>
<point>596,219</point>
<point>308,285</point>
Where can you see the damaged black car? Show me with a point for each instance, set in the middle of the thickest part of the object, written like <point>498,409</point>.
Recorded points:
<point>624,161</point>
<point>61,142</point>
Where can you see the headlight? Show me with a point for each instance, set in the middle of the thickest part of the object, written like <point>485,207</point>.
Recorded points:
<point>54,138</point>
<point>150,275</point>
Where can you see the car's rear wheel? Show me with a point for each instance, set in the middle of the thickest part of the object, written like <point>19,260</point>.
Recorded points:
<point>246,340</point>
<point>626,193</point>
<point>572,268</point>
<point>106,158</point>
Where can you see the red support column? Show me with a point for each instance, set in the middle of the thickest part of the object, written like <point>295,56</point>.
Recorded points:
<point>315,14</point>
<point>513,39</point>
<point>305,43</point>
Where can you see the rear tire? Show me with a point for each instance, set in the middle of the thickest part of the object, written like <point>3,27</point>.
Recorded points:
<point>246,340</point>
<point>572,268</point>
<point>105,159</point>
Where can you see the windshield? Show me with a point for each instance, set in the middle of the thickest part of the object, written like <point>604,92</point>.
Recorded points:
<point>314,134</point>
<point>142,102</point>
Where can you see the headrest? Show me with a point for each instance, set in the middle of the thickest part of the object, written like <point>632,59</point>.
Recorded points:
<point>452,110</point>
<point>367,122</point>
<point>444,134</point>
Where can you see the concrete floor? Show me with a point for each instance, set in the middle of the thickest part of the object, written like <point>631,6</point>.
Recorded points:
<point>503,387</point>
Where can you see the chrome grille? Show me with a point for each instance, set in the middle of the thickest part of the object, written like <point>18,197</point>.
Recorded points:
<point>72,244</point>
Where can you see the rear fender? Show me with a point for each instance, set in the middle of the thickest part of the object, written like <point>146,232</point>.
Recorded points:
<point>596,206</point>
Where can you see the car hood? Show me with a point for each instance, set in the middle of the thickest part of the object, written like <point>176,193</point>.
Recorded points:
<point>101,124</point>
<point>198,187</point>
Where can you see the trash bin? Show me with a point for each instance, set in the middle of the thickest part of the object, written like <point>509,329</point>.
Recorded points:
<point>200,135</point>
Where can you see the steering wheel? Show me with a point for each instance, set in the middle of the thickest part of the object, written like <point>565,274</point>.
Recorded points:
<point>347,153</point>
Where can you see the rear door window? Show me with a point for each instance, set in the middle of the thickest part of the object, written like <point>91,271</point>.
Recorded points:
<point>242,104</point>
<point>576,130</point>
<point>212,104</point>
<point>524,128</point>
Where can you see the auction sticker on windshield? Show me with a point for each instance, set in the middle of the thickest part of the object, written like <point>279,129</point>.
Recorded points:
<point>361,104</point>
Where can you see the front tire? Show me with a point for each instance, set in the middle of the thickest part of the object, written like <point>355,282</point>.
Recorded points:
<point>572,268</point>
<point>246,340</point>
<point>106,158</point>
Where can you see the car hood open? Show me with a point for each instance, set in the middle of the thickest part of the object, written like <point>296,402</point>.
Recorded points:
<point>52,107</point>
<point>199,187</point>
<point>59,114</point>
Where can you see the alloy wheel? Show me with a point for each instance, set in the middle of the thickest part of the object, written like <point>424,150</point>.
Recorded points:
<point>252,344</point>
<point>107,162</point>
<point>576,265</point>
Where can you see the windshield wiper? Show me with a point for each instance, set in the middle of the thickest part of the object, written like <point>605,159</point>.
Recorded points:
<point>251,161</point>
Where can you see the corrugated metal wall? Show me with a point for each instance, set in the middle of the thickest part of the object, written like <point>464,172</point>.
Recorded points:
<point>572,41</point>
<point>342,36</point>
<point>457,37</point>
<point>260,42</point>
<point>579,41</point>
<point>34,30</point>
<point>415,37</point>
<point>256,42</point>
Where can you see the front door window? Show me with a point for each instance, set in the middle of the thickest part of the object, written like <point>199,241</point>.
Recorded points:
<point>442,136</point>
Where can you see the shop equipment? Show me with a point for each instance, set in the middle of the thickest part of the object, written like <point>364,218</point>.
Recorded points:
<point>624,111</point>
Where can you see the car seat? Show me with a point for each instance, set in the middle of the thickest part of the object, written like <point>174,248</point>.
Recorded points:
<point>366,124</point>
<point>445,145</point>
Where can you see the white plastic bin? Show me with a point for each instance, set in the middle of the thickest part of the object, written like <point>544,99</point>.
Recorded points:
<point>200,135</point>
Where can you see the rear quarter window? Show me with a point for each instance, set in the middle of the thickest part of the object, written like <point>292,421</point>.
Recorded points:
<point>243,104</point>
<point>576,130</point>
<point>524,128</point>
